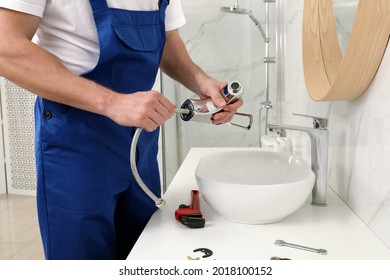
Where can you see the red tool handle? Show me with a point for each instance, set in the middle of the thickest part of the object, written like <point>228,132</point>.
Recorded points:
<point>195,200</point>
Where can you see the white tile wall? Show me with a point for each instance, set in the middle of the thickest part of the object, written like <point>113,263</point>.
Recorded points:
<point>359,151</point>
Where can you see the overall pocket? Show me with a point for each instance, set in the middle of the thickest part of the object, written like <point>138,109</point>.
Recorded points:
<point>135,68</point>
<point>53,118</point>
<point>144,38</point>
<point>74,180</point>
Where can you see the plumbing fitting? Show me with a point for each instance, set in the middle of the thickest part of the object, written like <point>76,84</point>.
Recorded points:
<point>207,252</point>
<point>201,109</point>
<point>159,202</point>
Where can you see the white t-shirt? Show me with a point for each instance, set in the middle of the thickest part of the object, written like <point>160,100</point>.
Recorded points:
<point>68,31</point>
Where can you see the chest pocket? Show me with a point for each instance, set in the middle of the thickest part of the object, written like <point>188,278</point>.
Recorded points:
<point>136,65</point>
<point>146,38</point>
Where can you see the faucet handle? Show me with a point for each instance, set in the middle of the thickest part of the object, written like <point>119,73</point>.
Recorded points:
<point>318,122</point>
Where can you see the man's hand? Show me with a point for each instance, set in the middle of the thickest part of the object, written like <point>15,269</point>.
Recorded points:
<point>211,88</point>
<point>146,109</point>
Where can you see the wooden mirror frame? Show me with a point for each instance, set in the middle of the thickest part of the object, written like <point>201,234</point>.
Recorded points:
<point>329,75</point>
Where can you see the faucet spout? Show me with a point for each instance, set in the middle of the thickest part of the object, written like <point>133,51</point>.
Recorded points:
<point>319,137</point>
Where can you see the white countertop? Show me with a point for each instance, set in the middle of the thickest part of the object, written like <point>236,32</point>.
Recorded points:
<point>335,228</point>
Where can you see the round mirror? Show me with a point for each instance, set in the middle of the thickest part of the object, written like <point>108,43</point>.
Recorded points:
<point>329,74</point>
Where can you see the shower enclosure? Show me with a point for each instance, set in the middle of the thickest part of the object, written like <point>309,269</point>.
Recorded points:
<point>228,46</point>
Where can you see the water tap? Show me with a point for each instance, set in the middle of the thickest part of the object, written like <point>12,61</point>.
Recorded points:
<point>319,136</point>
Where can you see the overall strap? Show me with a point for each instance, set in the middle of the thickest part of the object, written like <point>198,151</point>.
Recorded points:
<point>98,5</point>
<point>162,4</point>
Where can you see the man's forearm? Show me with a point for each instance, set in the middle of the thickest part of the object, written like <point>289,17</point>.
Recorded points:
<point>37,71</point>
<point>177,63</point>
<point>34,69</point>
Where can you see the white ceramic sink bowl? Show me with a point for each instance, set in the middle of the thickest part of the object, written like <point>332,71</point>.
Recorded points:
<point>254,187</point>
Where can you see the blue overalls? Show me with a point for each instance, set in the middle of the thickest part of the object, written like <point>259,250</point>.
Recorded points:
<point>89,204</point>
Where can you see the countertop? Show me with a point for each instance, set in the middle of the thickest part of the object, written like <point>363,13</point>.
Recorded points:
<point>335,228</point>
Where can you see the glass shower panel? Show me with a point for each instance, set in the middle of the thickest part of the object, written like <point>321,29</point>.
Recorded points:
<point>228,47</point>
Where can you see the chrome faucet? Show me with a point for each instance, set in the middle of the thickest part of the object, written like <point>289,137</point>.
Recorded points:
<point>319,136</point>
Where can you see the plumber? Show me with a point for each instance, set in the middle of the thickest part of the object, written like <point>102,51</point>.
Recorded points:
<point>92,65</point>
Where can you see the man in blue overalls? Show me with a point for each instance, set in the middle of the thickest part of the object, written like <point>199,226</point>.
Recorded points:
<point>89,205</point>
